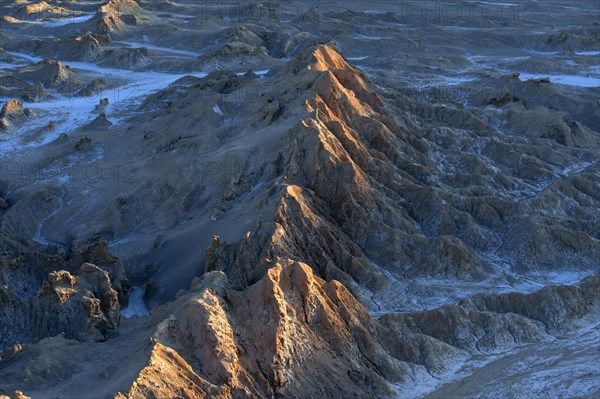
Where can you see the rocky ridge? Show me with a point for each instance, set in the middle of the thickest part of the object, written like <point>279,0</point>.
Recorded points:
<point>347,205</point>
<point>81,302</point>
<point>12,113</point>
<point>292,329</point>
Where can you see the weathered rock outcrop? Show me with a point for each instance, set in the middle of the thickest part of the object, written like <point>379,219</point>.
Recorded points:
<point>16,395</point>
<point>86,47</point>
<point>13,113</point>
<point>558,308</point>
<point>306,330</point>
<point>41,11</point>
<point>116,15</point>
<point>345,168</point>
<point>367,187</point>
<point>281,337</point>
<point>45,289</point>
<point>49,72</point>
<point>82,306</point>
<point>99,254</point>
<point>291,331</point>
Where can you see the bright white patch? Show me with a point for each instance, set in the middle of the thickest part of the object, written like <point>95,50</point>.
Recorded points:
<point>217,110</point>
<point>495,58</point>
<point>73,111</point>
<point>136,306</point>
<point>568,80</point>
<point>365,37</point>
<point>159,48</point>
<point>68,21</point>
<point>64,179</point>
<point>542,52</point>
<point>587,52</point>
<point>455,80</point>
<point>261,72</point>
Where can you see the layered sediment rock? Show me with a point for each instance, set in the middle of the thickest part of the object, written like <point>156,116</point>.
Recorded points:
<point>291,334</point>
<point>41,11</point>
<point>278,337</point>
<point>13,113</point>
<point>82,306</point>
<point>351,202</point>
<point>345,168</point>
<point>368,188</point>
<point>116,15</point>
<point>16,395</point>
<point>86,47</point>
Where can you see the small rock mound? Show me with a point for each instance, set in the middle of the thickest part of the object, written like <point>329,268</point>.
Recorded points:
<point>12,113</point>
<point>102,104</point>
<point>11,107</point>
<point>48,72</point>
<point>41,11</point>
<point>121,6</point>
<point>81,306</point>
<point>86,47</point>
<point>31,82</point>
<point>117,15</point>
<point>99,254</point>
<point>16,395</point>
<point>101,121</point>
<point>240,44</point>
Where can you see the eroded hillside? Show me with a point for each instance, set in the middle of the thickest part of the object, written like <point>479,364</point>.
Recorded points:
<point>249,207</point>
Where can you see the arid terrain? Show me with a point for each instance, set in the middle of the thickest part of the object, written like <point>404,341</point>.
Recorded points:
<point>299,199</point>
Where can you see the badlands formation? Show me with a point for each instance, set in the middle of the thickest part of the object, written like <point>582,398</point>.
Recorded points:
<point>299,200</point>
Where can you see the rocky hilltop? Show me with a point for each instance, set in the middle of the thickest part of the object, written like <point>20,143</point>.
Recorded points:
<point>197,203</point>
